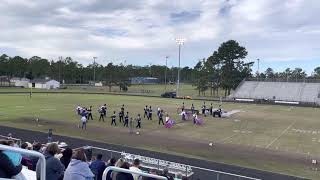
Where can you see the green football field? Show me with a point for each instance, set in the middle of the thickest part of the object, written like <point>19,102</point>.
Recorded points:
<point>293,132</point>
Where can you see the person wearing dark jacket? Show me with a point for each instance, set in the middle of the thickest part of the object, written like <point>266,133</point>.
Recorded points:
<point>97,167</point>
<point>34,160</point>
<point>112,162</point>
<point>124,176</point>
<point>54,168</point>
<point>66,157</point>
<point>7,168</point>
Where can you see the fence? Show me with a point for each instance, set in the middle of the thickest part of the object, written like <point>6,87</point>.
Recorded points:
<point>193,172</point>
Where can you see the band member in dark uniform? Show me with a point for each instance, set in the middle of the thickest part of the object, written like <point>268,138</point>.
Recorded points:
<point>90,113</point>
<point>161,117</point>
<point>182,108</point>
<point>121,114</point>
<point>113,119</point>
<point>150,113</point>
<point>138,121</point>
<point>192,108</point>
<point>145,112</point>
<point>101,112</point>
<point>122,108</point>
<point>211,108</point>
<point>104,109</point>
<point>204,108</point>
<point>126,120</point>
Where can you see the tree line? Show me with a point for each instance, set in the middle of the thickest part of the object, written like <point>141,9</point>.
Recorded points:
<point>224,69</point>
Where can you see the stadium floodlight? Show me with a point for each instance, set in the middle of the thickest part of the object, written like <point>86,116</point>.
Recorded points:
<point>180,42</point>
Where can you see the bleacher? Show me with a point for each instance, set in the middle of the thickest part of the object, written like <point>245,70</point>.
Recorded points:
<point>301,92</point>
<point>146,164</point>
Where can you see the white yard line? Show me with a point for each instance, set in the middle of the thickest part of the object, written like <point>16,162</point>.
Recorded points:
<point>223,140</point>
<point>283,132</point>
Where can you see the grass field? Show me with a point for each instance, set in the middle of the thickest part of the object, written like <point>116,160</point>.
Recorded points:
<point>257,137</point>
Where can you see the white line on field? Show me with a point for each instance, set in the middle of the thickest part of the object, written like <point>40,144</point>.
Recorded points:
<point>284,131</point>
<point>223,140</point>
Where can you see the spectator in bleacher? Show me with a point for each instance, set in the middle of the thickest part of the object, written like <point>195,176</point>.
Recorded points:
<point>153,172</point>
<point>78,168</point>
<point>119,163</point>
<point>66,157</point>
<point>26,160</point>
<point>178,177</point>
<point>165,173</point>
<point>135,167</point>
<point>54,168</point>
<point>124,176</point>
<point>7,167</point>
<point>111,162</point>
<point>97,167</point>
<point>34,160</point>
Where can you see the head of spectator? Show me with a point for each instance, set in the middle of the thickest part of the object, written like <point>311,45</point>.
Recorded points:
<point>66,157</point>
<point>153,171</point>
<point>67,153</point>
<point>37,147</point>
<point>119,162</point>
<point>5,142</point>
<point>125,165</point>
<point>136,163</point>
<point>112,162</point>
<point>24,145</point>
<point>80,155</point>
<point>99,157</point>
<point>165,172</point>
<point>179,176</point>
<point>52,149</point>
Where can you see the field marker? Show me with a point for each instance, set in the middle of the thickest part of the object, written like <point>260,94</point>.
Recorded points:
<point>283,132</point>
<point>48,109</point>
<point>225,139</point>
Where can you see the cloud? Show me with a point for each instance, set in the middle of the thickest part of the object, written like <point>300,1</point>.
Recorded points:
<point>144,31</point>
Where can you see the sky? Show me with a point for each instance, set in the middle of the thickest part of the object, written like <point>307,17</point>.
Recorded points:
<point>281,33</point>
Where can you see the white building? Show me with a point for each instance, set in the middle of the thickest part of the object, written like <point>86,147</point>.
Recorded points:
<point>20,82</point>
<point>44,84</point>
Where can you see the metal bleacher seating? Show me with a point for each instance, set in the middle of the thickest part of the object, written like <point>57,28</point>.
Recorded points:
<point>152,163</point>
<point>280,91</point>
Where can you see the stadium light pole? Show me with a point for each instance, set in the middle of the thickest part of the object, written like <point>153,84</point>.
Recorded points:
<point>258,68</point>
<point>165,73</point>
<point>94,69</point>
<point>180,42</point>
